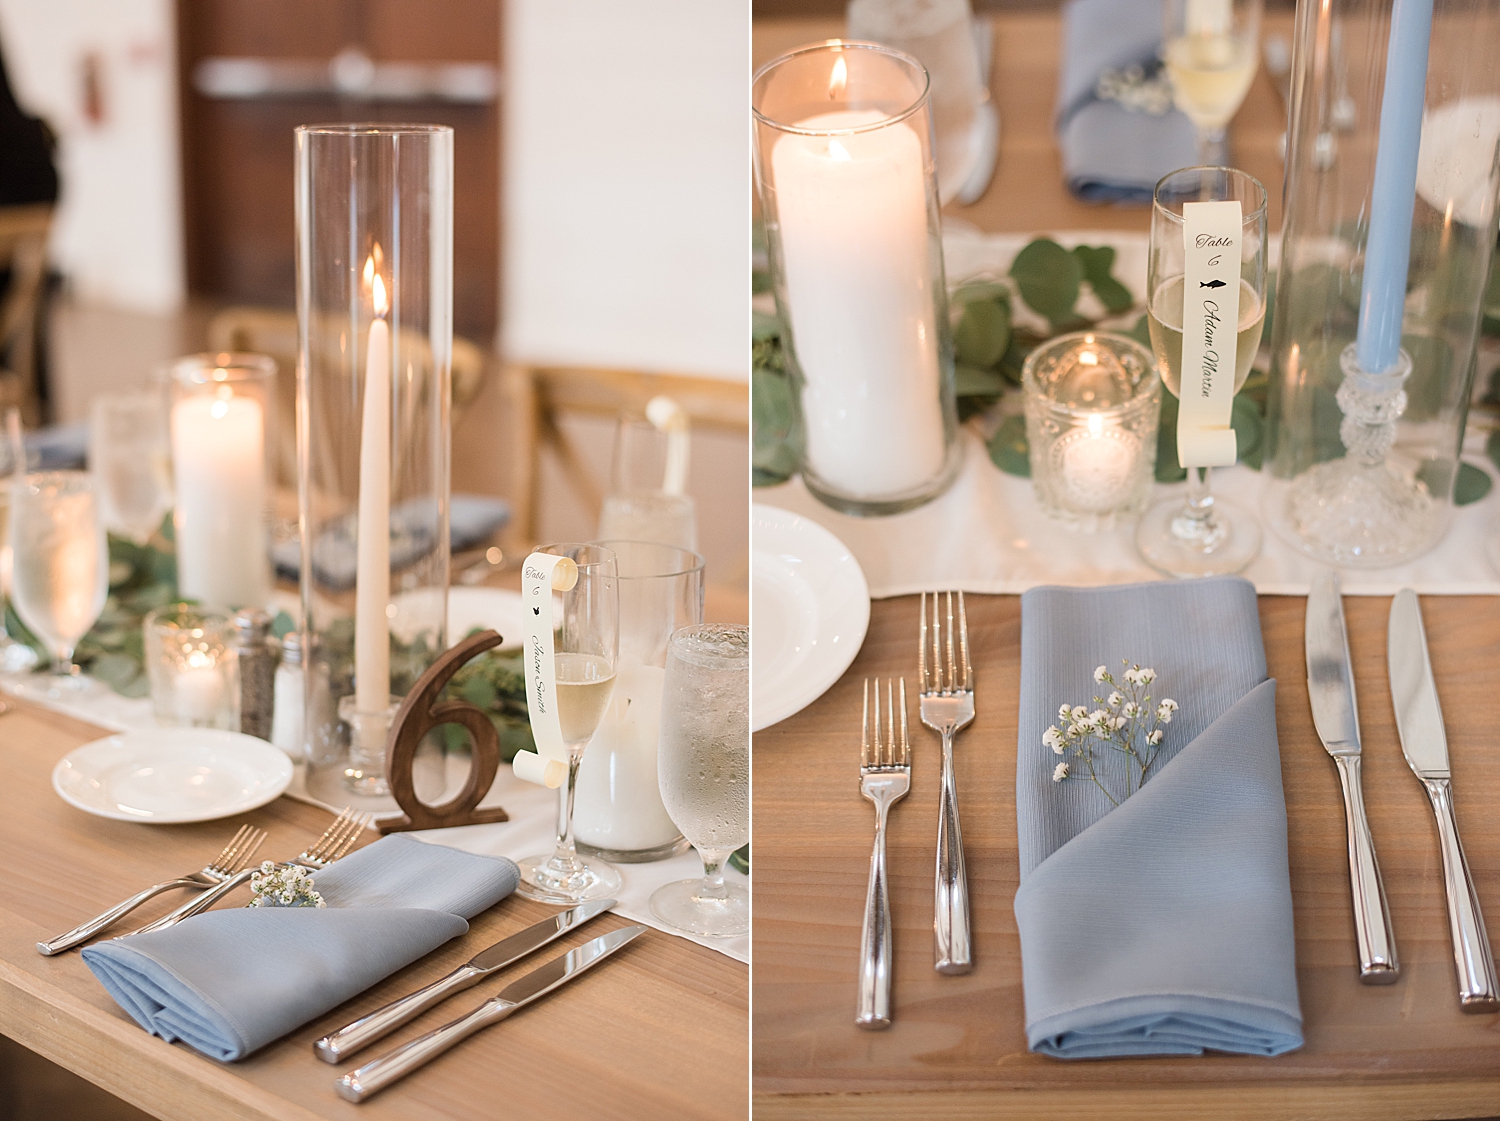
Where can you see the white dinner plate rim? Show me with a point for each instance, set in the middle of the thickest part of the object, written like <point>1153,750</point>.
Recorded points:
<point>278,768</point>
<point>828,661</point>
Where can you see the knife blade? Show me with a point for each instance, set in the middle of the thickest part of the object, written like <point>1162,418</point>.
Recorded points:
<point>1330,689</point>
<point>339,1045</point>
<point>1424,742</point>
<point>379,1073</point>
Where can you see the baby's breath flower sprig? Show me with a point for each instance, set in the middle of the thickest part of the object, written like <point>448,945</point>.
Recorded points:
<point>273,886</point>
<point>1126,722</point>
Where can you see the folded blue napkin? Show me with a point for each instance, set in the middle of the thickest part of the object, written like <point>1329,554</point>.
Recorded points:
<point>1163,926</point>
<point>1112,153</point>
<point>228,982</point>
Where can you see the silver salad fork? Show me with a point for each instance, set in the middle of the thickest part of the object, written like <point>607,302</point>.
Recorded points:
<point>884,778</point>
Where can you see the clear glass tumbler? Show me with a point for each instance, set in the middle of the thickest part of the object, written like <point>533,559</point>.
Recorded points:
<point>844,164</point>
<point>705,772</point>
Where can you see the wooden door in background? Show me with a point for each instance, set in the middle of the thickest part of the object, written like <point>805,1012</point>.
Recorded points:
<point>399,60</point>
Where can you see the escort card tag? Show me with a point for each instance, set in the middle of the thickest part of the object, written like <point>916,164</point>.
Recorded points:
<point>541,575</point>
<point>1210,332</point>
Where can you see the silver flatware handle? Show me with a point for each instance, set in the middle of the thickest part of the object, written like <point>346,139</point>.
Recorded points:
<point>875,943</point>
<point>952,951</point>
<point>1472,958</point>
<point>1372,914</point>
<point>80,934</point>
<point>391,1067</point>
<point>200,903</point>
<point>339,1045</point>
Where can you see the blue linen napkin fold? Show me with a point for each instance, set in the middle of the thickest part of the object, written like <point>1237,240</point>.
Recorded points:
<point>228,982</point>
<point>1163,926</point>
<point>1111,153</point>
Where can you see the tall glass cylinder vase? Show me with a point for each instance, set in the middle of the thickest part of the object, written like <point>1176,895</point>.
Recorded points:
<point>222,433</point>
<point>848,191</point>
<point>374,210</point>
<point>1390,225</point>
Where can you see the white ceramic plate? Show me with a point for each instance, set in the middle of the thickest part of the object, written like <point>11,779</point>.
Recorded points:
<point>810,608</point>
<point>169,776</point>
<point>486,608</point>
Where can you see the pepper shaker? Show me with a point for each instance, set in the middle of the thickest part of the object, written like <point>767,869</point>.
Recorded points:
<point>252,639</point>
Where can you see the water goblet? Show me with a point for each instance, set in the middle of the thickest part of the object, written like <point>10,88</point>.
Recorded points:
<point>586,648</point>
<point>61,570</point>
<point>1202,536</point>
<point>131,461</point>
<point>704,761</point>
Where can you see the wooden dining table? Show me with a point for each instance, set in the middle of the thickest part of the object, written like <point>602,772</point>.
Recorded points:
<point>957,1046</point>
<point>661,1030</point>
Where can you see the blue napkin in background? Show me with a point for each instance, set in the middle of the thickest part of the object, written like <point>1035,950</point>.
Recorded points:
<point>227,982</point>
<point>1111,153</point>
<point>1162,927</point>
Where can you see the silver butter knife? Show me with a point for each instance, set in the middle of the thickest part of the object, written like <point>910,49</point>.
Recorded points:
<point>1419,721</point>
<point>379,1073</point>
<point>339,1045</point>
<point>1330,687</point>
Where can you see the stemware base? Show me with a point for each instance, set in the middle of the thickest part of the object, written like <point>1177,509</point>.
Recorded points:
<point>16,657</point>
<point>684,905</point>
<point>1174,543</point>
<point>57,687</point>
<point>548,880</point>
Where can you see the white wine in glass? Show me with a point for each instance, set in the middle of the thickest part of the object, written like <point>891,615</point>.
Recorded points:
<point>586,647</point>
<point>1211,51</point>
<point>1201,536</point>
<point>1164,317</point>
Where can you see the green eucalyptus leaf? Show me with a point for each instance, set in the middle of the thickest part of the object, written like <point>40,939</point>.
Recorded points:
<point>774,453</point>
<point>1008,448</point>
<point>983,333</point>
<point>981,290</point>
<point>740,859</point>
<point>283,624</point>
<point>1098,263</point>
<point>1471,485</point>
<point>1141,332</point>
<point>115,670</point>
<point>970,381</point>
<point>1167,468</point>
<point>1249,430</point>
<point>1049,279</point>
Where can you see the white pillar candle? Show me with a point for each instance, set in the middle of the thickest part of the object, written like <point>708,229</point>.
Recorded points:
<point>219,465</point>
<point>854,242</point>
<point>372,592</point>
<point>617,802</point>
<point>199,693</point>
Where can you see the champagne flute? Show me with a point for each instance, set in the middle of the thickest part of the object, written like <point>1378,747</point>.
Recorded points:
<point>1203,536</point>
<point>704,768</point>
<point>1211,48</point>
<point>131,461</point>
<point>61,572</point>
<point>585,650</point>
<point>15,657</point>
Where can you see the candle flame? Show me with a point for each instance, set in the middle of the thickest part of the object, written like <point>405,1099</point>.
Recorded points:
<point>374,282</point>
<point>838,79</point>
<point>838,151</point>
<point>1096,424</point>
<point>381,306</point>
<point>1089,358</point>
<point>219,409</point>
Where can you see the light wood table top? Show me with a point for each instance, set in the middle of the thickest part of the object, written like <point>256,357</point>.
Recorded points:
<point>660,1031</point>
<point>957,1048</point>
<point>1027,193</point>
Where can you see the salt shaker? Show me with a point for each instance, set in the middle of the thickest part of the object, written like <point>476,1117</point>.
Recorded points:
<point>252,640</point>
<point>287,724</point>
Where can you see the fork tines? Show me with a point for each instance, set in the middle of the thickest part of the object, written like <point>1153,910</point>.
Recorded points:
<point>237,853</point>
<point>884,751</point>
<point>340,836</point>
<point>949,660</point>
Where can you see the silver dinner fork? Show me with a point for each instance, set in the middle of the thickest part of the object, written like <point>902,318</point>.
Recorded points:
<point>235,855</point>
<point>884,778</point>
<point>336,840</point>
<point>947,704</point>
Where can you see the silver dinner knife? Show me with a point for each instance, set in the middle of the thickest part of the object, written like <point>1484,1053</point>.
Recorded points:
<point>1330,687</point>
<point>379,1073</point>
<point>366,1030</point>
<point>1419,721</point>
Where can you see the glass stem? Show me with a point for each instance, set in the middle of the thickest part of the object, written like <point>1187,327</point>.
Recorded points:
<point>712,886</point>
<point>62,661</point>
<point>567,849</point>
<point>1200,499</point>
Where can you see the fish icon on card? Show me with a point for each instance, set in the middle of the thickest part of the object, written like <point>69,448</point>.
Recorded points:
<point>1210,284</point>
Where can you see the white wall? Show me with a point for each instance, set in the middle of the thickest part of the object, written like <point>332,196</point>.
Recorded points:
<point>626,185</point>
<point>118,236</point>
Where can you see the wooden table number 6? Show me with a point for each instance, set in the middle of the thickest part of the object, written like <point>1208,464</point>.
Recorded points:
<point>419,714</point>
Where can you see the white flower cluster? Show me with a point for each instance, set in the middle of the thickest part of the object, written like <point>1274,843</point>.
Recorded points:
<point>274,886</point>
<point>1127,722</point>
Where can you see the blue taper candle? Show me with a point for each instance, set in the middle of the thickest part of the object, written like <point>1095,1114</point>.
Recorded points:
<point>1388,250</point>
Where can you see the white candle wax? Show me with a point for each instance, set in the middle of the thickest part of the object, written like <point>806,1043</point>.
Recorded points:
<point>218,462</point>
<point>372,592</point>
<point>1098,466</point>
<point>617,802</point>
<point>199,693</point>
<point>853,223</point>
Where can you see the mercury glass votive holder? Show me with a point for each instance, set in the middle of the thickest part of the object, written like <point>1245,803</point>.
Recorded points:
<point>193,668</point>
<point>1093,402</point>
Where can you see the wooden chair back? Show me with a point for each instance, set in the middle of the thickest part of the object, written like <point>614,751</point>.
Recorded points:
<point>23,250</point>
